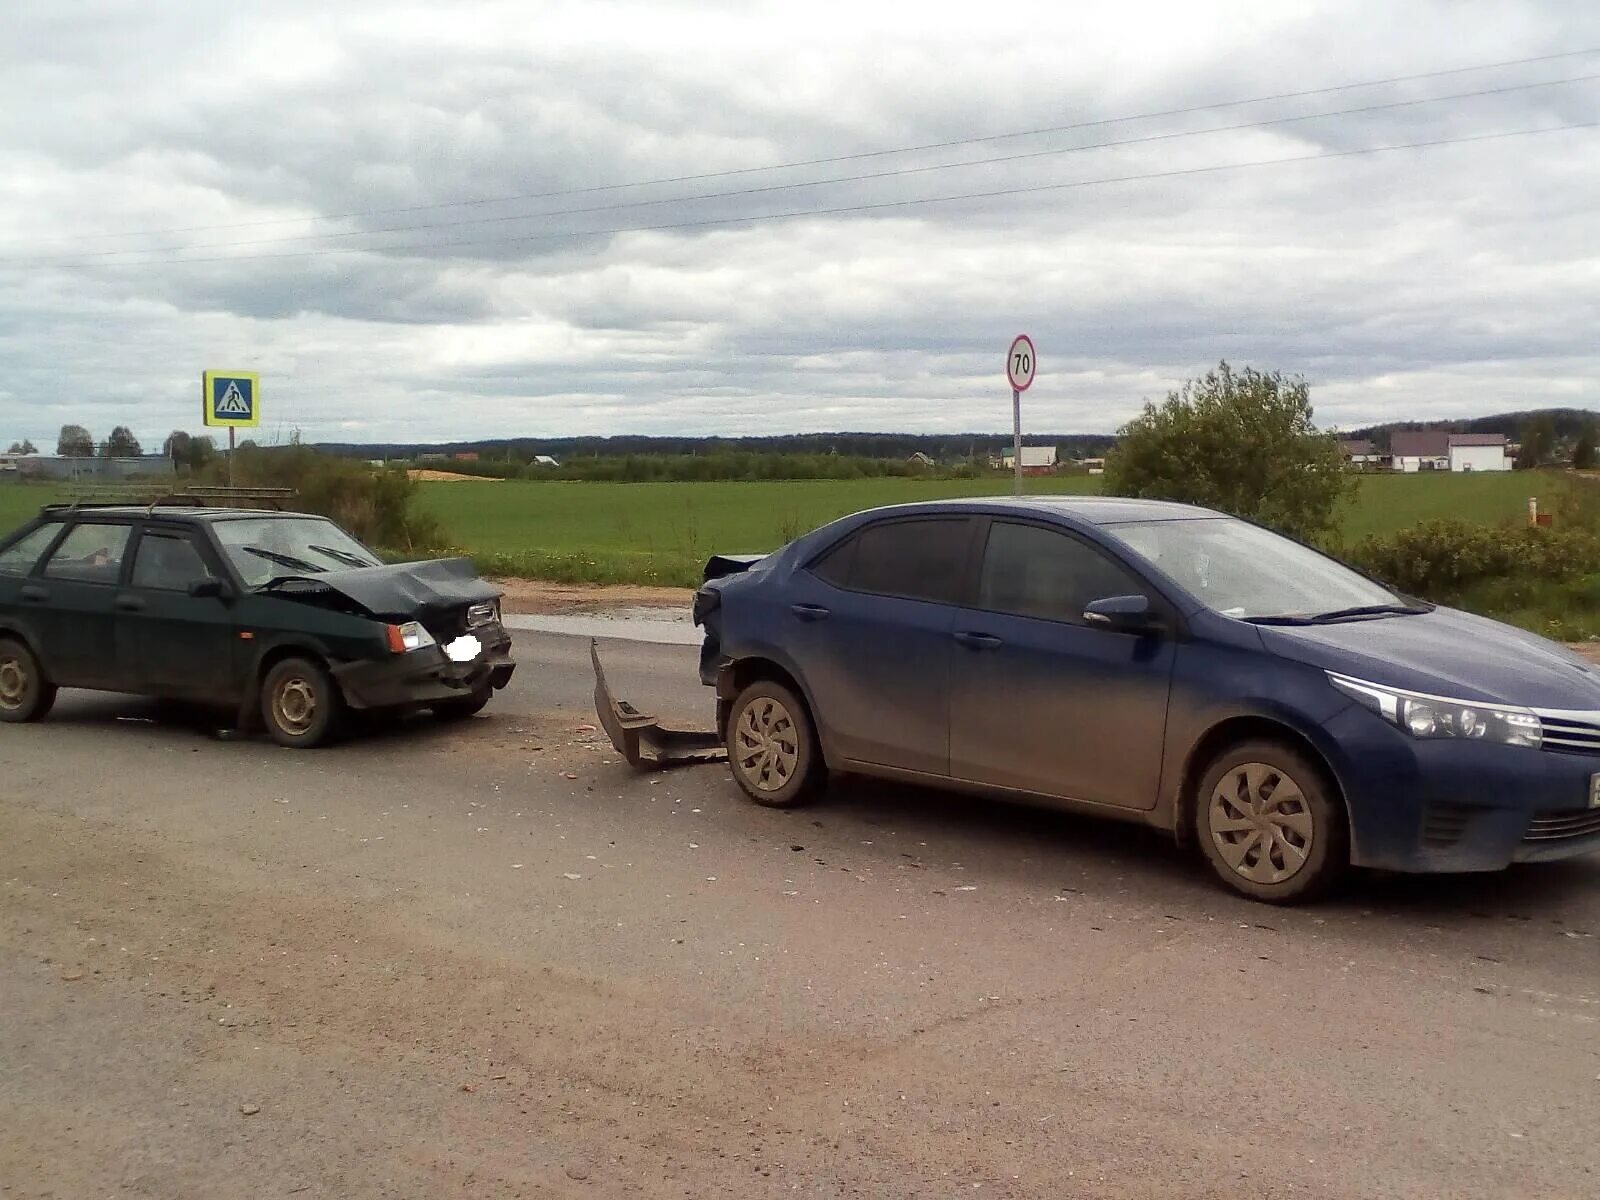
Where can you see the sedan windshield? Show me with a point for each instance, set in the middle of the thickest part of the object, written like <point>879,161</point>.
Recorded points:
<point>1241,570</point>
<point>262,549</point>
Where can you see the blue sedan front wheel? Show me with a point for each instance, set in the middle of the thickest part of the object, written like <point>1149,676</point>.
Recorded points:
<point>1270,825</point>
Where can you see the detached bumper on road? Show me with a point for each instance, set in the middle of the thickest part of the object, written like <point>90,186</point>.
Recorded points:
<point>1445,805</point>
<point>426,676</point>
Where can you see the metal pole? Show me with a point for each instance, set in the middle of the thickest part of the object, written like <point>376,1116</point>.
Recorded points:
<point>232,433</point>
<point>1016,441</point>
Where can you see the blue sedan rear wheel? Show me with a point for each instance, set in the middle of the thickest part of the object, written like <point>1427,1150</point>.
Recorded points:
<point>772,747</point>
<point>1270,825</point>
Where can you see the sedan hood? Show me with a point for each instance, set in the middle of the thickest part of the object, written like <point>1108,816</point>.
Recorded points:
<point>404,591</point>
<point>1446,653</point>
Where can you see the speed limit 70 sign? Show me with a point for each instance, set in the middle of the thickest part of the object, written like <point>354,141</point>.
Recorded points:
<point>1021,363</point>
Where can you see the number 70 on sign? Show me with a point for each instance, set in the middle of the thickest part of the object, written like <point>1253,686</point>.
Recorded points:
<point>1021,363</point>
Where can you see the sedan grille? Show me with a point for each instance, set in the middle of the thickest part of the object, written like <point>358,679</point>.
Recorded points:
<point>1573,732</point>
<point>1559,825</point>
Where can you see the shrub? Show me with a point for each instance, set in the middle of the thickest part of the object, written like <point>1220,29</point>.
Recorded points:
<point>1444,560</point>
<point>1239,441</point>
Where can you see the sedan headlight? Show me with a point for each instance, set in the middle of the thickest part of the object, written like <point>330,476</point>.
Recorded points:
<point>1424,716</point>
<point>410,636</point>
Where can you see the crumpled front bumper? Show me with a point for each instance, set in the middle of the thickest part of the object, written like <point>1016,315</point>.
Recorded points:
<point>426,676</point>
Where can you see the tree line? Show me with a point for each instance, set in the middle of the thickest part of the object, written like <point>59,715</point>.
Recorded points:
<point>187,451</point>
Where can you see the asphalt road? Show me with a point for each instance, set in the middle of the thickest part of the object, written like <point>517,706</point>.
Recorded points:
<point>492,961</point>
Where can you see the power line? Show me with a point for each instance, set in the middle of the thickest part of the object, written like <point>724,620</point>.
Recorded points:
<point>843,210</point>
<point>897,172</point>
<point>841,158</point>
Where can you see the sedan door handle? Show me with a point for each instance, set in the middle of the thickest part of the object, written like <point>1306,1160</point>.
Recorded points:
<point>129,604</point>
<point>809,612</point>
<point>32,591</point>
<point>979,641</point>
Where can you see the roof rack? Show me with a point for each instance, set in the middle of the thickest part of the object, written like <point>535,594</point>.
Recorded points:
<point>105,496</point>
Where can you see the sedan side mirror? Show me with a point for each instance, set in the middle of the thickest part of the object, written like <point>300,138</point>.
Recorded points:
<point>202,589</point>
<point>1126,614</point>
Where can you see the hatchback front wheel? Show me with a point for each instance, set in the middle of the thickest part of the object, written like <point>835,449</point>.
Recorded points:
<point>300,704</point>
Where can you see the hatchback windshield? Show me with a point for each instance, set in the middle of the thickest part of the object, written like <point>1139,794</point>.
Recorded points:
<point>262,549</point>
<point>1241,570</point>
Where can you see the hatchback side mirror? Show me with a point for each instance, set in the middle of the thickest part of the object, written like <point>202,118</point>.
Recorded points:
<point>1126,614</point>
<point>202,589</point>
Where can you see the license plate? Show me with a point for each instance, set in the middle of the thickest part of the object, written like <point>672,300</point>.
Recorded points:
<point>1594,791</point>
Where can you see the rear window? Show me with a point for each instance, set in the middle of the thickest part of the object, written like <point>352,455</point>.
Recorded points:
<point>917,560</point>
<point>19,557</point>
<point>91,553</point>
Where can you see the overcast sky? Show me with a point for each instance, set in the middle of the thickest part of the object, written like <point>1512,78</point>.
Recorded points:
<point>188,184</point>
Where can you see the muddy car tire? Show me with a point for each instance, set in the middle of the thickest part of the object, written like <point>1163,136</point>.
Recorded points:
<point>772,747</point>
<point>25,693</point>
<point>1271,824</point>
<point>462,707</point>
<point>300,704</point>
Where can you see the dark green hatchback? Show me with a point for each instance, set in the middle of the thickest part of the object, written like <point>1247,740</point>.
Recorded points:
<point>283,617</point>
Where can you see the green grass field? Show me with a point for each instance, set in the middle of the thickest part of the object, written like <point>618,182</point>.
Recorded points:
<point>662,532</point>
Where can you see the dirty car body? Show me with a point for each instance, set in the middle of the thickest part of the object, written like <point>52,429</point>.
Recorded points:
<point>199,604</point>
<point>1128,659</point>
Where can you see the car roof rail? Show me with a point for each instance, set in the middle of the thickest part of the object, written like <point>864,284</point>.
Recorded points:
<point>111,496</point>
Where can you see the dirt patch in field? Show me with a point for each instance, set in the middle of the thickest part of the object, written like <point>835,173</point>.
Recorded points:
<point>427,476</point>
<point>1590,650</point>
<point>538,596</point>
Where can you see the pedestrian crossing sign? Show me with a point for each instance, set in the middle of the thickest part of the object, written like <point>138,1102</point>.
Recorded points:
<point>232,398</point>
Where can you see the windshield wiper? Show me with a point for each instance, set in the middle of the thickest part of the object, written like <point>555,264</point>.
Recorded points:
<point>1343,614</point>
<point>344,556</point>
<point>283,560</point>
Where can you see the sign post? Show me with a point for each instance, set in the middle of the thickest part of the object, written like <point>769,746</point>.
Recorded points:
<point>231,400</point>
<point>1021,363</point>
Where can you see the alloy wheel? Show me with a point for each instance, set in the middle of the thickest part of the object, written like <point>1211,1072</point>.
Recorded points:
<point>766,744</point>
<point>1261,823</point>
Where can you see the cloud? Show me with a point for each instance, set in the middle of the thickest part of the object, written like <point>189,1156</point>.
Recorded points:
<point>376,205</point>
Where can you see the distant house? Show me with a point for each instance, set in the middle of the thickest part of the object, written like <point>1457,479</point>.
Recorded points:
<point>465,456</point>
<point>919,459</point>
<point>433,457</point>
<point>1479,452</point>
<point>1360,453</point>
<point>1036,460</point>
<point>544,460</point>
<point>1441,450</point>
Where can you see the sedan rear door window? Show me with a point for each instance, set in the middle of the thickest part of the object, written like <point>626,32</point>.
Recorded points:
<point>91,553</point>
<point>917,559</point>
<point>1030,571</point>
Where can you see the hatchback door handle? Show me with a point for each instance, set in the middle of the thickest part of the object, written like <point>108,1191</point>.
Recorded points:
<point>32,591</point>
<point>979,641</point>
<point>129,603</point>
<point>808,612</point>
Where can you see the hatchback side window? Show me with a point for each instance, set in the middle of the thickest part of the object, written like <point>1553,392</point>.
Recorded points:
<point>916,559</point>
<point>19,557</point>
<point>169,562</point>
<point>1033,572</point>
<point>91,553</point>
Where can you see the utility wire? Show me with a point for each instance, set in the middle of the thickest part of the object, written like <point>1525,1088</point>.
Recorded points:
<point>842,158</point>
<point>896,172</point>
<point>843,210</point>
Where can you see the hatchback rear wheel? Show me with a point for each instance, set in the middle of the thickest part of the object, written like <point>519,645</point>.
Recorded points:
<point>771,746</point>
<point>1270,825</point>
<point>25,694</point>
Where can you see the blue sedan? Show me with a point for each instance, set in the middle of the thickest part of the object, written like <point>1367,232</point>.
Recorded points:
<point>1158,663</point>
